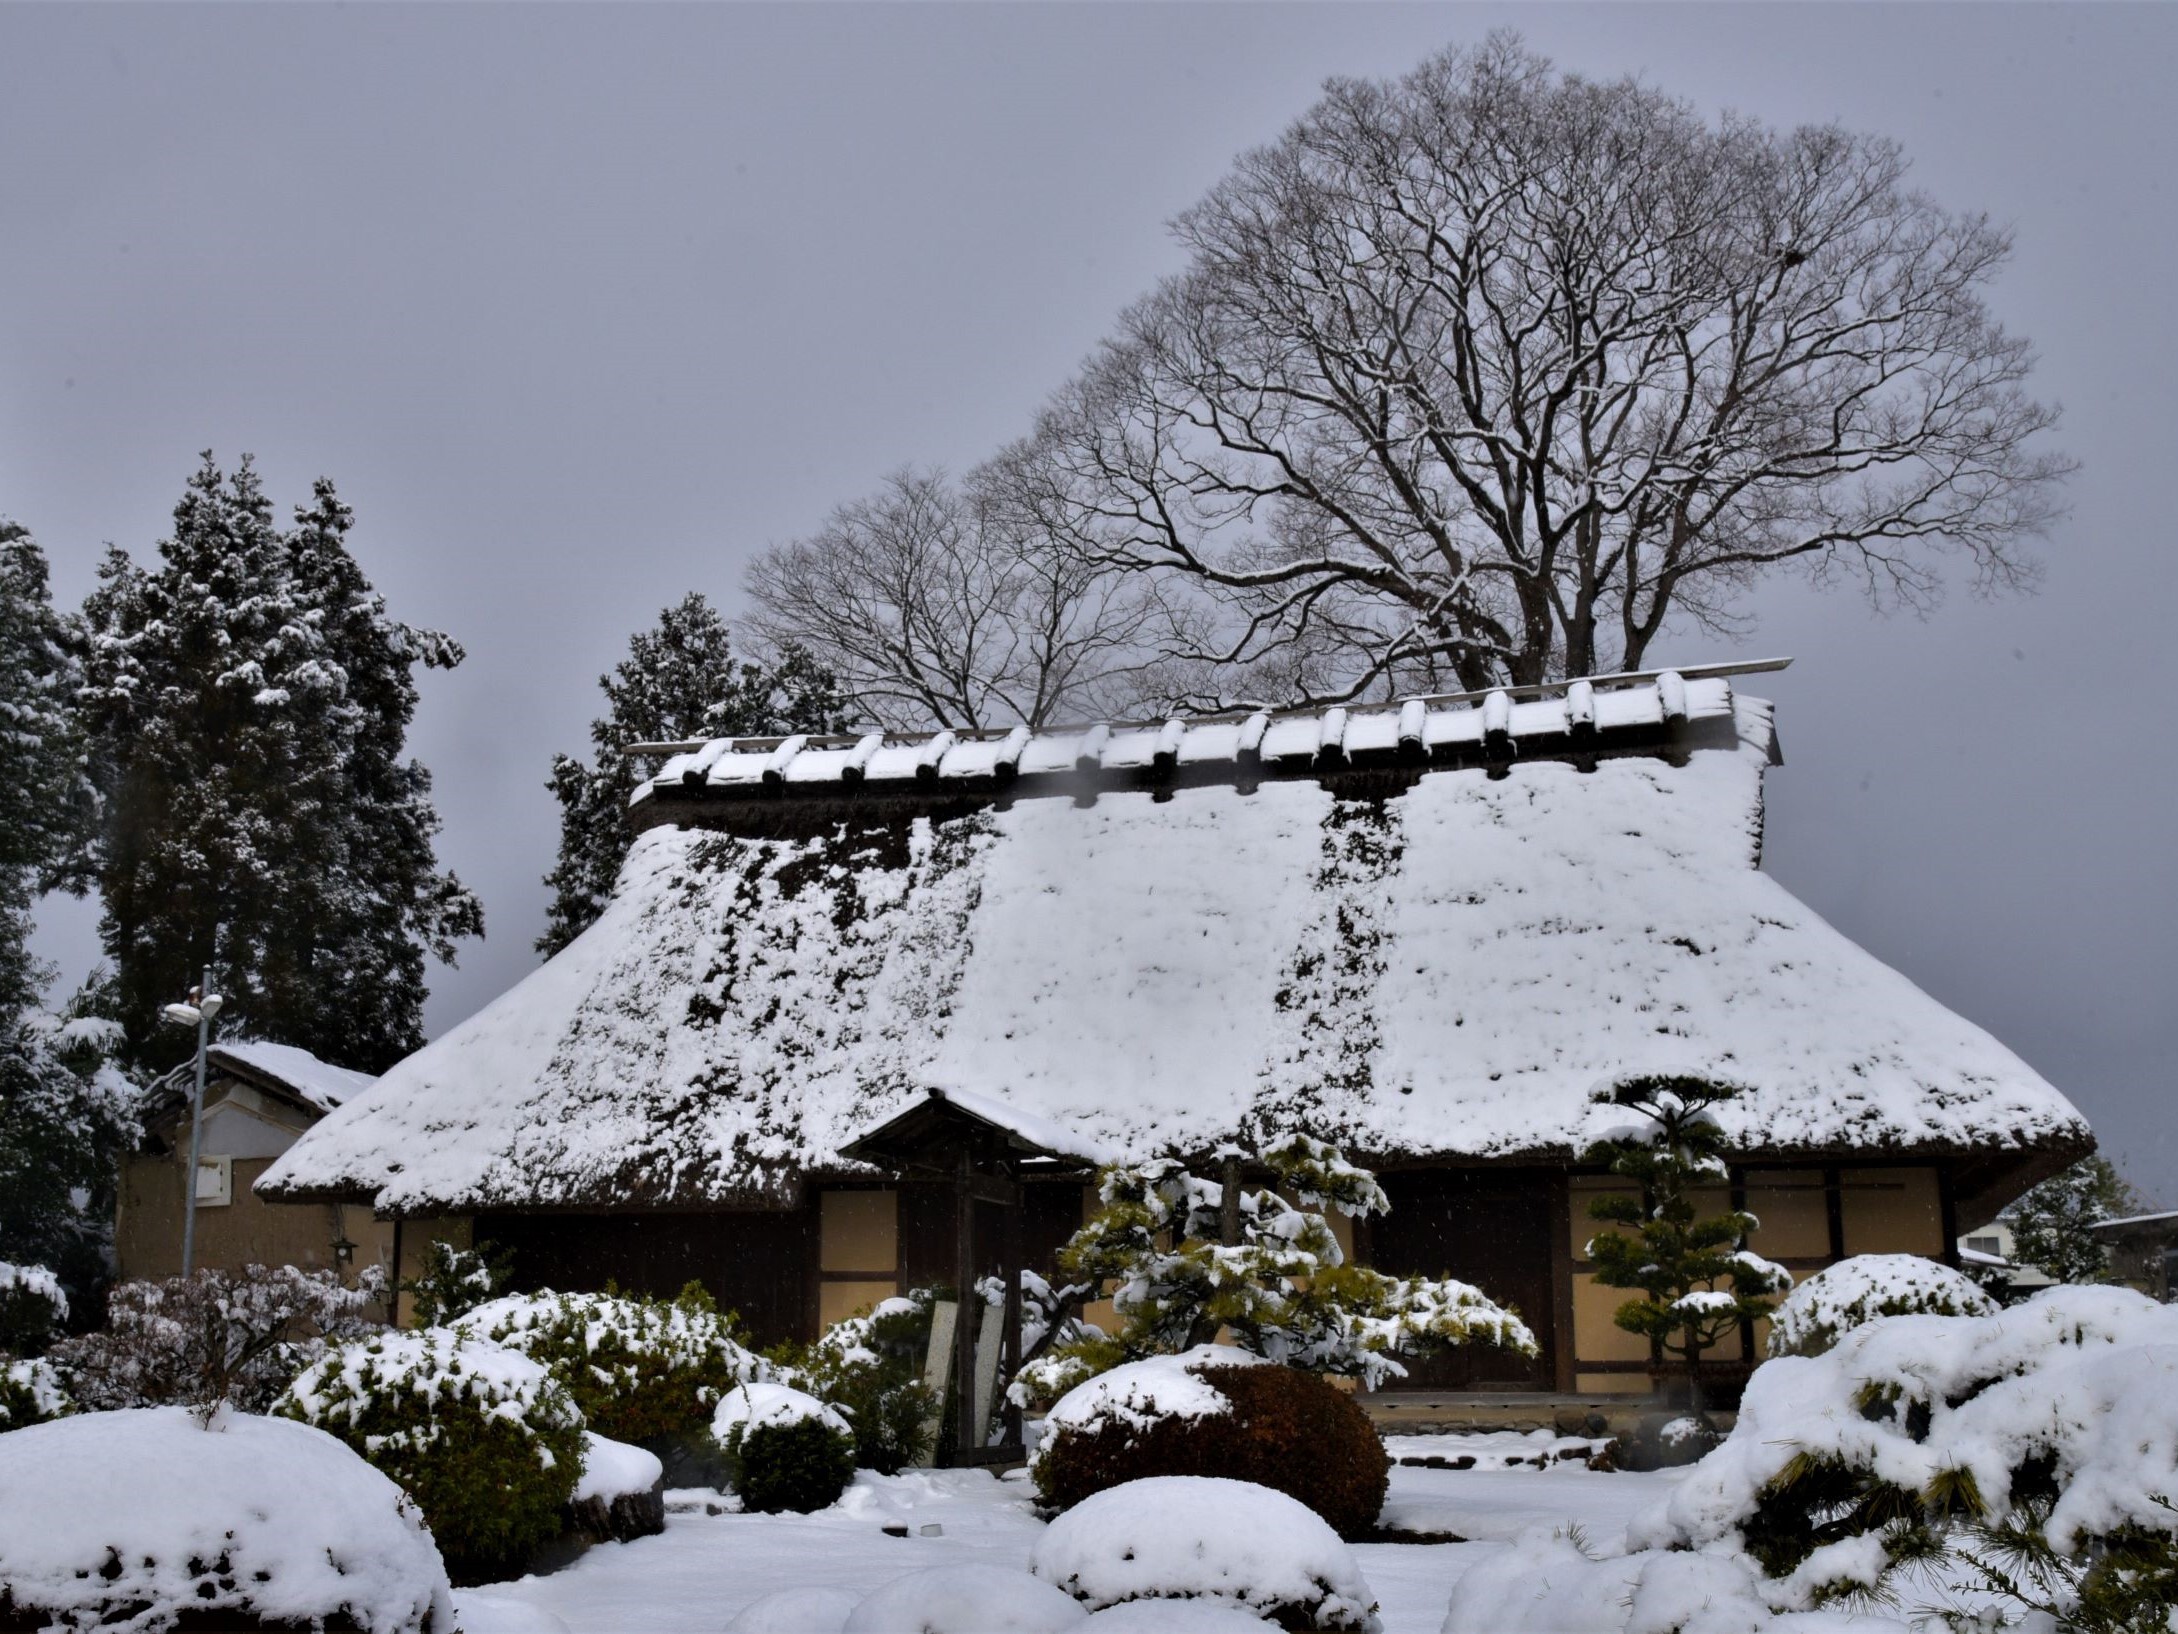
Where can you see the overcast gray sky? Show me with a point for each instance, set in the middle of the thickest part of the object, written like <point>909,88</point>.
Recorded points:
<point>580,306</point>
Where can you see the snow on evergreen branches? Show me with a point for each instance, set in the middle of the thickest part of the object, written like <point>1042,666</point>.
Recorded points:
<point>1282,1287</point>
<point>1841,1297</point>
<point>247,702</point>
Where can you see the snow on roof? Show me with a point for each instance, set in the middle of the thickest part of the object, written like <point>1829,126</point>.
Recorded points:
<point>2126,1220</point>
<point>320,1083</point>
<point>1448,973</point>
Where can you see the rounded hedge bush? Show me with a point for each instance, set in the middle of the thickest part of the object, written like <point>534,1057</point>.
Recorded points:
<point>485,1440</point>
<point>1201,1414</point>
<point>641,1370</point>
<point>1841,1297</point>
<point>786,1450</point>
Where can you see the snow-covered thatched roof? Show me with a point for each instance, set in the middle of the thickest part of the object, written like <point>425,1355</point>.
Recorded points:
<point>1445,972</point>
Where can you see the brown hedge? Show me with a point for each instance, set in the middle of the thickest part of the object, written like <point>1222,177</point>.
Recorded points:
<point>1288,1430</point>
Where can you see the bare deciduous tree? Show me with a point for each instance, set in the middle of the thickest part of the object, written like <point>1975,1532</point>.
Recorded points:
<point>936,603</point>
<point>1489,373</point>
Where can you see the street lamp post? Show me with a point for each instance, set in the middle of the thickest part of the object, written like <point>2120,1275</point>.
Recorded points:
<point>200,1013</point>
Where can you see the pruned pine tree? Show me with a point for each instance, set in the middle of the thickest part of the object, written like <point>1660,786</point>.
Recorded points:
<point>680,681</point>
<point>1697,1279</point>
<point>247,701</point>
<point>2051,1224</point>
<point>1185,1257</point>
<point>65,1115</point>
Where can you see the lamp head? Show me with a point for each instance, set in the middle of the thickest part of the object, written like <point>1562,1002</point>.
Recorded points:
<point>182,1015</point>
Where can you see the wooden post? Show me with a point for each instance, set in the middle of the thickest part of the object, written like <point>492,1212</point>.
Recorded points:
<point>1010,1244</point>
<point>964,1332</point>
<point>1229,1203</point>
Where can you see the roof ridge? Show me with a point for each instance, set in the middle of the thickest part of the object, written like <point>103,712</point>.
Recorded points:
<point>903,738</point>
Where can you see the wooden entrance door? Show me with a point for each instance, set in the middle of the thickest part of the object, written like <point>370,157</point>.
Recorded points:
<point>1490,1227</point>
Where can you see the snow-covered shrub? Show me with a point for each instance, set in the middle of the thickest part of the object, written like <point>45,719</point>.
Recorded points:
<point>32,1308</point>
<point>870,1367</point>
<point>640,1369</point>
<point>1839,1298</point>
<point>621,1495</point>
<point>1215,1411</point>
<point>485,1440</point>
<point>31,1392</point>
<point>1181,1537</point>
<point>236,1337</point>
<point>965,1599</point>
<point>143,1520</point>
<point>785,1448</point>
<point>1283,1291</point>
<point>454,1282</point>
<point>1546,1584</point>
<point>2031,1454</point>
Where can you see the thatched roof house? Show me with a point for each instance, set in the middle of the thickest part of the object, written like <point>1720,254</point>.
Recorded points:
<point>1426,931</point>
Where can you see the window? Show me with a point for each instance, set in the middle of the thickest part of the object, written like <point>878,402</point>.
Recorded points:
<point>215,1182</point>
<point>1986,1245</point>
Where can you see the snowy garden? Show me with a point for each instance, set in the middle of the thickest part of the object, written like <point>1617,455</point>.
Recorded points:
<point>251,1448</point>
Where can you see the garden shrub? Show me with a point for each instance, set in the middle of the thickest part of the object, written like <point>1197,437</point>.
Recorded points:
<point>642,1370</point>
<point>148,1519</point>
<point>2027,1455</point>
<point>454,1282</point>
<point>32,1308</point>
<point>485,1440</point>
<point>1202,1414</point>
<point>1191,1538</point>
<point>786,1449</point>
<point>218,1337</point>
<point>1838,1299</point>
<point>30,1393</point>
<point>870,1367</point>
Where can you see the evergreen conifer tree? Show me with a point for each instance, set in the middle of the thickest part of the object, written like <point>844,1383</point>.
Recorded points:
<point>246,703</point>
<point>64,1115</point>
<point>2050,1224</point>
<point>679,681</point>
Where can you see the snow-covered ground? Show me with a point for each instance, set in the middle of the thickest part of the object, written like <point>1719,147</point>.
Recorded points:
<point>705,1567</point>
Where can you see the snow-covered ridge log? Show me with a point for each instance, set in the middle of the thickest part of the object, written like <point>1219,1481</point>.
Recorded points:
<point>1582,720</point>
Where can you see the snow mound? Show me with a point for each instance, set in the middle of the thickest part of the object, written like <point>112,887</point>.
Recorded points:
<point>1841,1297</point>
<point>1545,1584</point>
<point>2078,1387</point>
<point>1175,1617</point>
<point>1186,1536</point>
<point>1138,1394</point>
<point>757,1405</point>
<point>613,1469</point>
<point>796,1611</point>
<point>503,1614</point>
<point>130,1519</point>
<point>967,1599</point>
